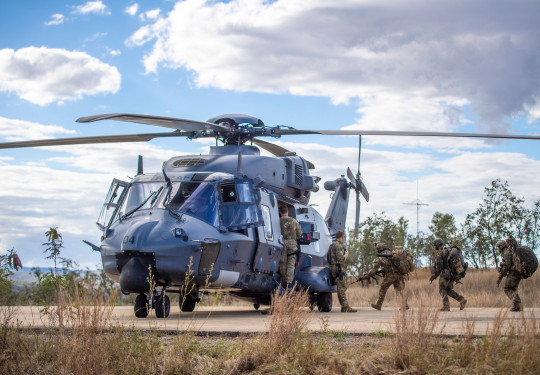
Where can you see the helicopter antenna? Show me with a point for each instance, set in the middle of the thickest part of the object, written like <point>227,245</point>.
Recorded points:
<point>140,165</point>
<point>418,203</point>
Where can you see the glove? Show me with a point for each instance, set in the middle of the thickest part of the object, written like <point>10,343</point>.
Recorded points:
<point>499,281</point>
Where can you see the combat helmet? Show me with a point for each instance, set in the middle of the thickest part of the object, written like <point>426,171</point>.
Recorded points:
<point>438,242</point>
<point>501,245</point>
<point>381,246</point>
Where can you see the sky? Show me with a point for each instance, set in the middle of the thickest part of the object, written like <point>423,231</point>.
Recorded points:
<point>447,65</point>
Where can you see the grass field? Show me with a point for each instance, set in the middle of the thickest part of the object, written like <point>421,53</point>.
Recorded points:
<point>96,346</point>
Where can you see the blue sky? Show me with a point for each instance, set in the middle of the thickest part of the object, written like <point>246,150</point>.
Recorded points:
<point>356,64</point>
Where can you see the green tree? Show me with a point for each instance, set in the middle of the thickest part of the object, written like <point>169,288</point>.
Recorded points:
<point>499,214</point>
<point>8,262</point>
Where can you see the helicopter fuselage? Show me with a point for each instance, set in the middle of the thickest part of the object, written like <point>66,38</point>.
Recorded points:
<point>192,229</point>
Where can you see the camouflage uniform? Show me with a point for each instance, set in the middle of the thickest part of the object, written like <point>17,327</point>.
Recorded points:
<point>446,281</point>
<point>291,231</point>
<point>391,277</point>
<point>337,262</point>
<point>513,278</point>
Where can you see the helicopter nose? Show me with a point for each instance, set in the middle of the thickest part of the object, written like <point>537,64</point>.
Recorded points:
<point>134,277</point>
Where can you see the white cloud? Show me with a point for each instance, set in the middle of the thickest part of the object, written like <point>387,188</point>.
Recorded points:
<point>473,53</point>
<point>115,52</point>
<point>13,130</point>
<point>150,15</point>
<point>43,75</point>
<point>95,7</point>
<point>132,9</point>
<point>56,19</point>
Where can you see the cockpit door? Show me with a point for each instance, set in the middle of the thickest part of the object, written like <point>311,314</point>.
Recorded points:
<point>239,202</point>
<point>268,251</point>
<point>114,199</point>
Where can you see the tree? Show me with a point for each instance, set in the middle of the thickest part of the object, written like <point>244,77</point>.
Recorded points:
<point>499,215</point>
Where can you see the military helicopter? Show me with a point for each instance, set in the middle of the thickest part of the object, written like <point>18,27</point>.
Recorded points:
<point>210,222</point>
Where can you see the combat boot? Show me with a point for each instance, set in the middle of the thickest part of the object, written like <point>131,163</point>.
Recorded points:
<point>347,309</point>
<point>462,303</point>
<point>376,307</point>
<point>445,308</point>
<point>516,307</point>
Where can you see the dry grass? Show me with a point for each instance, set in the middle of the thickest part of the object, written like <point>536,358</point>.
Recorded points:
<point>479,288</point>
<point>86,342</point>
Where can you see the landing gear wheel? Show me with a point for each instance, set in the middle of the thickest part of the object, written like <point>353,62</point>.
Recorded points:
<point>187,303</point>
<point>324,302</point>
<point>312,301</point>
<point>163,306</point>
<point>256,306</point>
<point>141,306</point>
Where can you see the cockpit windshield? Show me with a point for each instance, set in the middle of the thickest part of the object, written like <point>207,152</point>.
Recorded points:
<point>140,196</point>
<point>197,199</point>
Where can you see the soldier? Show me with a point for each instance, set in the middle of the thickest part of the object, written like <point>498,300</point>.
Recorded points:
<point>337,260</point>
<point>446,281</point>
<point>391,277</point>
<point>291,231</point>
<point>513,277</point>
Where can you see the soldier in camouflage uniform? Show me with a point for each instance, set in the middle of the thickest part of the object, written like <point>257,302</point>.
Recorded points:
<point>391,277</point>
<point>291,232</point>
<point>337,261</point>
<point>446,281</point>
<point>513,277</point>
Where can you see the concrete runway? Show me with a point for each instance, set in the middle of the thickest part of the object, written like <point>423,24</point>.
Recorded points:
<point>239,320</point>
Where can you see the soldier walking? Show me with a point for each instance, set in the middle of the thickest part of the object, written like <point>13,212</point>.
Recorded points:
<point>291,232</point>
<point>508,270</point>
<point>337,260</point>
<point>391,274</point>
<point>446,280</point>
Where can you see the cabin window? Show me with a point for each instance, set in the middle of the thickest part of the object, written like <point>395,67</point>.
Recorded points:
<point>268,232</point>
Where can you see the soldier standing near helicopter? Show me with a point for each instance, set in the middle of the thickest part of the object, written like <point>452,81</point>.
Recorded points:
<point>291,232</point>
<point>446,280</point>
<point>337,260</point>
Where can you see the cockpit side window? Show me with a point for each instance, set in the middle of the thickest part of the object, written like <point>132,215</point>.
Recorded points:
<point>239,205</point>
<point>111,205</point>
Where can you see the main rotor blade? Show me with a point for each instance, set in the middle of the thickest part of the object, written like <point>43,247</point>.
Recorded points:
<point>408,133</point>
<point>277,150</point>
<point>90,140</point>
<point>167,122</point>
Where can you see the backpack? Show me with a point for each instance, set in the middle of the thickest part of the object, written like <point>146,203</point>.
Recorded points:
<point>456,263</point>
<point>525,261</point>
<point>402,260</point>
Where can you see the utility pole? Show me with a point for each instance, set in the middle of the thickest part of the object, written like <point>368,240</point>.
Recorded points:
<point>418,203</point>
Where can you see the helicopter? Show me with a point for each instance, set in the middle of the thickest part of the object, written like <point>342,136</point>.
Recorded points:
<point>210,223</point>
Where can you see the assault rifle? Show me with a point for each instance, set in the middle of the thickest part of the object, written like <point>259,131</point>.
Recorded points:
<point>385,255</point>
<point>364,277</point>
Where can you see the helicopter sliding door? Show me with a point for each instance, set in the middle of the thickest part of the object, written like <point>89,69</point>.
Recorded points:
<point>112,203</point>
<point>268,255</point>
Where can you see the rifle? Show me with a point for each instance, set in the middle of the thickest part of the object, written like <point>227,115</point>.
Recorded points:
<point>381,255</point>
<point>363,277</point>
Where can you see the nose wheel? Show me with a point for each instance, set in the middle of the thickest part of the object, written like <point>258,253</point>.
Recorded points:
<point>160,302</point>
